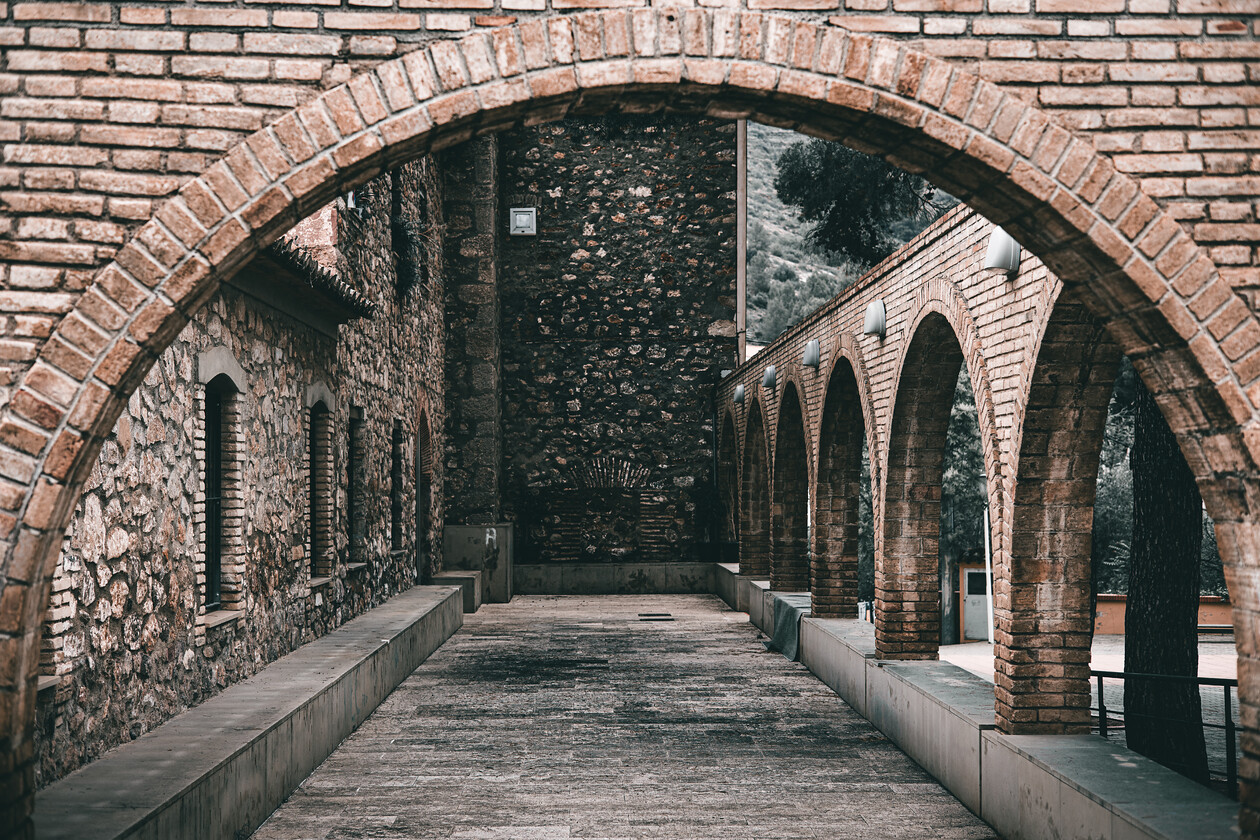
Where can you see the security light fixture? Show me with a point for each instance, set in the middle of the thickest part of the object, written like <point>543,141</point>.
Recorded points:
<point>738,399</point>
<point>813,352</point>
<point>875,319</point>
<point>523,221</point>
<point>1003,255</point>
<point>768,380</point>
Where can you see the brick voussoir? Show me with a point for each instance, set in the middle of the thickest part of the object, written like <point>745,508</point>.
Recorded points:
<point>588,27</point>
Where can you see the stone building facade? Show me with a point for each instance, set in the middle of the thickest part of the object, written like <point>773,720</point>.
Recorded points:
<point>619,317</point>
<point>312,533</point>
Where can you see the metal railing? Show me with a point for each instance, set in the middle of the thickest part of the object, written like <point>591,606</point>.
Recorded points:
<point>1230,778</point>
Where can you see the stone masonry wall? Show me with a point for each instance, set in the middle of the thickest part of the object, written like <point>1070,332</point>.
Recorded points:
<point>617,317</point>
<point>127,644</point>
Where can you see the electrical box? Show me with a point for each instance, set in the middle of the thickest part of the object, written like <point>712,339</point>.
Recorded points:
<point>523,221</point>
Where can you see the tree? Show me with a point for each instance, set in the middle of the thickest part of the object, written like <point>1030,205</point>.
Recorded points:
<point>862,207</point>
<point>1163,720</point>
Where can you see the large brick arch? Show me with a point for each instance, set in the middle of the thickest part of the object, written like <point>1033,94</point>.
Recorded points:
<point>789,498</point>
<point>1160,296</point>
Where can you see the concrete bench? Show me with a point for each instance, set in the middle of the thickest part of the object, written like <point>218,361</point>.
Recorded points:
<point>1030,787</point>
<point>469,582</point>
<point>219,769</point>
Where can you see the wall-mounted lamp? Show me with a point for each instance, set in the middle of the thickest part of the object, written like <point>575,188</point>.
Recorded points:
<point>768,380</point>
<point>523,221</point>
<point>813,354</point>
<point>1003,255</point>
<point>738,399</point>
<point>876,318</point>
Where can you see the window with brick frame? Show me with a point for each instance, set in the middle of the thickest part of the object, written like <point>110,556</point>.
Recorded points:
<point>220,508</point>
<point>424,495</point>
<point>355,493</point>
<point>320,490</point>
<point>396,488</point>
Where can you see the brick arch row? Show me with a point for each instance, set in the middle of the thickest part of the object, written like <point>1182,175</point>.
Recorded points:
<point>1053,190</point>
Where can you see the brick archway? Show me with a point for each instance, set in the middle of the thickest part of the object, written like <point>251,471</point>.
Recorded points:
<point>1155,289</point>
<point>843,429</point>
<point>728,481</point>
<point>789,498</point>
<point>754,506</point>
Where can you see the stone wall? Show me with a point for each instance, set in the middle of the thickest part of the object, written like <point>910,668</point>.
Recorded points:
<point>617,317</point>
<point>127,642</point>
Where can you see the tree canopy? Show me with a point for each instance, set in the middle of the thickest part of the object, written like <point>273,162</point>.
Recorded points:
<point>862,208</point>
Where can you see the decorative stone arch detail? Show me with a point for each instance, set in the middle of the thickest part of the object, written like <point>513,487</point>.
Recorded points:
<point>791,377</point>
<point>220,361</point>
<point>316,393</point>
<point>1049,188</point>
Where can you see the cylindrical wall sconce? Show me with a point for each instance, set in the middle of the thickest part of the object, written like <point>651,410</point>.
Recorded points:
<point>1003,255</point>
<point>813,354</point>
<point>768,380</point>
<point>738,399</point>
<point>875,319</point>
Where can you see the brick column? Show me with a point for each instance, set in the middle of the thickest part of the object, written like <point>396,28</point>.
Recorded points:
<point>1240,546</point>
<point>474,440</point>
<point>1043,621</point>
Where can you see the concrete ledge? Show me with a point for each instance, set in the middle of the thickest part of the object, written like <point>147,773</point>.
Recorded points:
<point>1048,787</point>
<point>614,579</point>
<point>1029,787</point>
<point>758,590</point>
<point>726,583</point>
<point>836,650</point>
<point>219,769</point>
<point>469,583</point>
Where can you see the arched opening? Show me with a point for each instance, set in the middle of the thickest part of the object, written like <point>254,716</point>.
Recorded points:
<point>1042,653</point>
<point>789,510</point>
<point>424,498</point>
<point>838,513</point>
<point>728,492</point>
<point>754,519</point>
<point>1051,207</point>
<point>907,569</point>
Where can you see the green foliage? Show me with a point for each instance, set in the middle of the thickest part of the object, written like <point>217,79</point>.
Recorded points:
<point>861,207</point>
<point>964,491</point>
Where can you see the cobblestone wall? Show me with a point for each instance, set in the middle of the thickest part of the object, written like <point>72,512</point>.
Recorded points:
<point>616,318</point>
<point>127,642</point>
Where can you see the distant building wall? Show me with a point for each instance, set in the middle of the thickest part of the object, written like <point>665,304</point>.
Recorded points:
<point>617,316</point>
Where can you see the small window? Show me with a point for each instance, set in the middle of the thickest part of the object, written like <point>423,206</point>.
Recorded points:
<point>213,590</point>
<point>320,486</point>
<point>396,488</point>
<point>975,583</point>
<point>354,486</point>
<point>222,570</point>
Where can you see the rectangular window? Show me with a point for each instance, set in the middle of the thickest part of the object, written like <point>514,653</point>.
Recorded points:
<point>354,486</point>
<point>396,488</point>
<point>320,486</point>
<point>214,499</point>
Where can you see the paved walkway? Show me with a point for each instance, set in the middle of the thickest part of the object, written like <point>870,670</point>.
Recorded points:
<point>569,717</point>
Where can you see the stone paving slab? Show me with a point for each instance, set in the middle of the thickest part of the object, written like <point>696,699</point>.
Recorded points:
<point>569,717</point>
